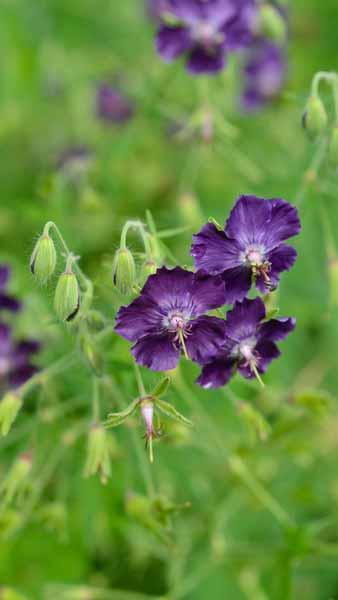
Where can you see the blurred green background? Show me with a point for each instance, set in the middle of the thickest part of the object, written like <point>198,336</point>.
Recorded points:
<point>74,538</point>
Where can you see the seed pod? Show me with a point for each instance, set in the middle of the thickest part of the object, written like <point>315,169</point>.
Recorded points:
<point>333,148</point>
<point>43,259</point>
<point>67,296</point>
<point>9,408</point>
<point>147,269</point>
<point>272,23</point>
<point>124,272</point>
<point>315,117</point>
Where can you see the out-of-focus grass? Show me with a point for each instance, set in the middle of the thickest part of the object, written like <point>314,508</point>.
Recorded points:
<point>229,543</point>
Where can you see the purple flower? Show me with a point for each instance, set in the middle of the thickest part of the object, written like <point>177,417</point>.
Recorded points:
<point>7,302</point>
<point>251,247</point>
<point>168,318</point>
<point>157,8</point>
<point>264,74</point>
<point>112,106</point>
<point>205,30</point>
<point>15,359</point>
<point>249,344</point>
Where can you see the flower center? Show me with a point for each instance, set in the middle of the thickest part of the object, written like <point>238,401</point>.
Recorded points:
<point>176,322</point>
<point>205,34</point>
<point>4,366</point>
<point>254,256</point>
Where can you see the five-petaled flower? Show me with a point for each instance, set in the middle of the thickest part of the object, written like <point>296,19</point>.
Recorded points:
<point>168,318</point>
<point>7,302</point>
<point>250,247</point>
<point>249,344</point>
<point>205,31</point>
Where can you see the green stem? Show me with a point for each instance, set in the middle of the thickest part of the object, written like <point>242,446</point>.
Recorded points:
<point>96,400</point>
<point>141,229</point>
<point>139,380</point>
<point>319,77</point>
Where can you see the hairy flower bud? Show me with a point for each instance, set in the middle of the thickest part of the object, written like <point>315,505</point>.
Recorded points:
<point>15,484</point>
<point>98,454</point>
<point>148,268</point>
<point>9,408</point>
<point>315,117</point>
<point>43,259</point>
<point>333,148</point>
<point>124,272</point>
<point>67,296</point>
<point>272,23</point>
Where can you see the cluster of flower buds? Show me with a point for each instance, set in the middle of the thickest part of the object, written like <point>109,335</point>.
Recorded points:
<point>315,118</point>
<point>149,406</point>
<point>43,264</point>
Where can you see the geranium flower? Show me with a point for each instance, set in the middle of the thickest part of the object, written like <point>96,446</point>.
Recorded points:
<point>15,359</point>
<point>7,302</point>
<point>250,247</point>
<point>168,319</point>
<point>205,31</point>
<point>249,344</point>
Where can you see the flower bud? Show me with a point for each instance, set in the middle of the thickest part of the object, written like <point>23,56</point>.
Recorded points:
<point>9,408</point>
<point>124,272</point>
<point>67,296</point>
<point>148,268</point>
<point>15,484</point>
<point>43,259</point>
<point>315,117</point>
<point>98,454</point>
<point>272,23</point>
<point>333,148</point>
<point>91,354</point>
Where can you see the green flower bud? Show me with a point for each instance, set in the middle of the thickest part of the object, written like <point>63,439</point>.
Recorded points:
<point>9,408</point>
<point>43,259</point>
<point>333,148</point>
<point>148,268</point>
<point>15,484</point>
<point>124,272</point>
<point>67,296</point>
<point>272,23</point>
<point>99,453</point>
<point>315,117</point>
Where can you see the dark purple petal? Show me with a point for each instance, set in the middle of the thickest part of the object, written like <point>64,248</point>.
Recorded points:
<point>22,352</point>
<point>267,351</point>
<point>207,293</point>
<point>9,303</point>
<point>205,338</point>
<point>237,283</point>
<point>171,42</point>
<point>157,352</point>
<point>168,286</point>
<point>5,339</point>
<point>243,319</point>
<point>264,74</point>
<point>213,251</point>
<point>188,11</point>
<point>141,317</point>
<point>249,220</point>
<point>19,376</point>
<point>216,373</point>
<point>284,222</point>
<point>281,258</point>
<point>276,329</point>
<point>5,273</point>
<point>206,60</point>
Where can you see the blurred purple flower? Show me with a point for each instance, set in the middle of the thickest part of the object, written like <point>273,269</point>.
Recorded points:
<point>168,318</point>
<point>112,106</point>
<point>250,246</point>
<point>157,8</point>
<point>15,359</point>
<point>7,302</point>
<point>74,160</point>
<point>205,31</point>
<point>249,344</point>
<point>264,73</point>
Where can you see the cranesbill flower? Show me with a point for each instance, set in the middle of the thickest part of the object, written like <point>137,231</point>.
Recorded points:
<point>112,106</point>
<point>205,31</point>
<point>7,302</point>
<point>249,344</point>
<point>251,246</point>
<point>264,73</point>
<point>15,359</point>
<point>168,319</point>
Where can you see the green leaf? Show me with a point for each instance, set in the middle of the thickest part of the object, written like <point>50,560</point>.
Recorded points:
<point>272,313</point>
<point>168,410</point>
<point>115,419</point>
